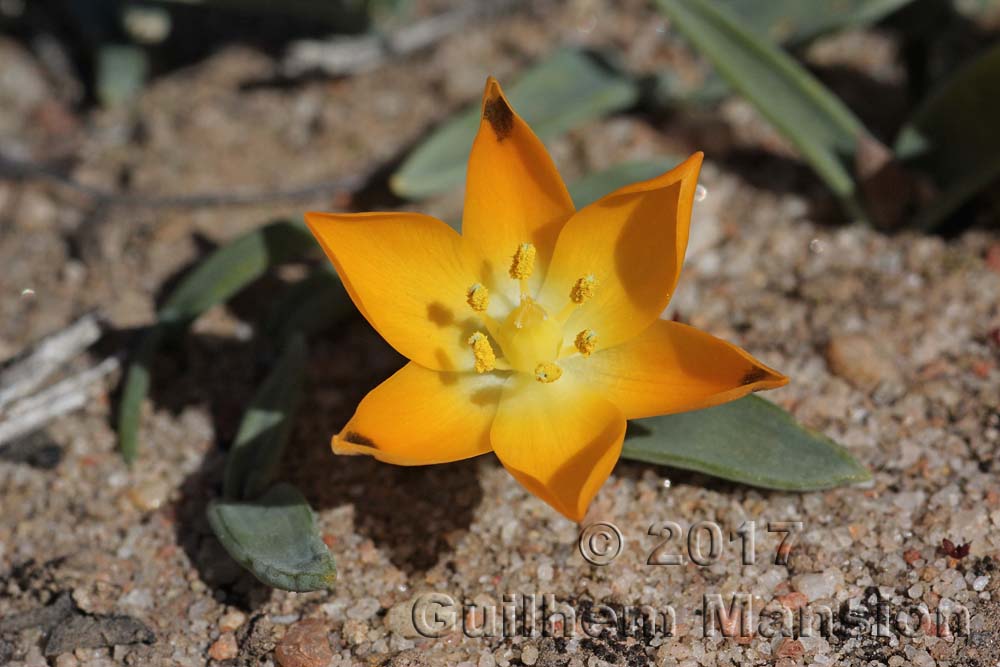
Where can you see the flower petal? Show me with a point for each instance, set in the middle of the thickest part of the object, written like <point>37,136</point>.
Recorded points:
<point>513,193</point>
<point>408,275</point>
<point>419,416</point>
<point>560,440</point>
<point>672,367</point>
<point>632,241</point>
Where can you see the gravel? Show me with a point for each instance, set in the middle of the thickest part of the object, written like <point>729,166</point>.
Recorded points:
<point>891,343</point>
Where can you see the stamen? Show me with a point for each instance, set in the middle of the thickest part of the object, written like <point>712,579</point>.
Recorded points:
<point>486,358</point>
<point>586,342</point>
<point>524,262</point>
<point>478,298</point>
<point>547,372</point>
<point>583,289</point>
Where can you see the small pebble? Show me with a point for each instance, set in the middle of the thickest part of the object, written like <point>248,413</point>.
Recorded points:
<point>355,632</point>
<point>862,361</point>
<point>364,609</point>
<point>224,648</point>
<point>149,496</point>
<point>232,620</point>
<point>790,648</point>
<point>306,644</point>
<point>399,620</point>
<point>980,583</point>
<point>821,585</point>
<point>529,654</point>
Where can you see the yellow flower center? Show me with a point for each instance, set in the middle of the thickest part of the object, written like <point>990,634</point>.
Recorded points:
<point>529,339</point>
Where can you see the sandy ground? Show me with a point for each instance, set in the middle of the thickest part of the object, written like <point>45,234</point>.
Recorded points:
<point>891,342</point>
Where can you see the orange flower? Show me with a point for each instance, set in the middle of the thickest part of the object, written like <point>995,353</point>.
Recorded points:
<point>536,332</point>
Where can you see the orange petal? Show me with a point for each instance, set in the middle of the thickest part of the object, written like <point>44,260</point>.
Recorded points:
<point>560,440</point>
<point>408,275</point>
<point>669,368</point>
<point>513,194</point>
<point>420,416</point>
<point>632,241</point>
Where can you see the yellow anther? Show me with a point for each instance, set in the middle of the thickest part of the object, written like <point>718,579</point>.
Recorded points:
<point>486,358</point>
<point>524,262</point>
<point>547,372</point>
<point>586,342</point>
<point>583,289</point>
<point>478,298</point>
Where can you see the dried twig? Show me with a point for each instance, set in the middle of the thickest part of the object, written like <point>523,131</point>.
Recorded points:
<point>340,56</point>
<point>21,170</point>
<point>31,369</point>
<point>30,414</point>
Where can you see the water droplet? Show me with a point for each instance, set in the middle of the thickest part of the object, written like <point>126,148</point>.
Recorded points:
<point>27,293</point>
<point>816,246</point>
<point>666,484</point>
<point>700,192</point>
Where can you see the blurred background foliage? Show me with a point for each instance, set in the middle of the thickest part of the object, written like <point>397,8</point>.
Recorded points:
<point>933,166</point>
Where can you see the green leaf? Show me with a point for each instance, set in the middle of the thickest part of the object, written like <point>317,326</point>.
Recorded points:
<point>749,440</point>
<point>135,389</point>
<point>818,124</point>
<point>256,452</point>
<point>309,306</point>
<point>955,138</point>
<point>224,273</point>
<point>595,185</point>
<point>121,72</point>
<point>234,266</point>
<point>276,539</point>
<point>564,91</point>
<point>796,22</point>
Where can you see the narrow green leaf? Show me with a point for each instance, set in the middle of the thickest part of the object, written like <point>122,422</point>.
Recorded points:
<point>121,72</point>
<point>309,306</point>
<point>564,91</point>
<point>234,266</point>
<point>135,389</point>
<point>820,126</point>
<point>749,440</point>
<point>796,22</point>
<point>276,539</point>
<point>954,136</point>
<point>595,185</point>
<point>256,452</point>
<point>224,273</point>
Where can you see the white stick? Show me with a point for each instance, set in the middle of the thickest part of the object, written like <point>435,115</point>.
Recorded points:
<point>34,367</point>
<point>30,414</point>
